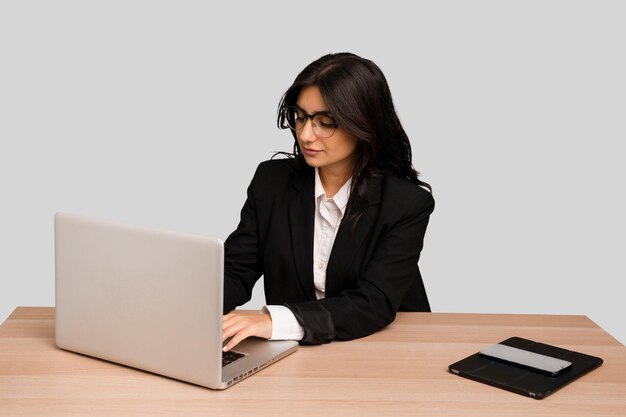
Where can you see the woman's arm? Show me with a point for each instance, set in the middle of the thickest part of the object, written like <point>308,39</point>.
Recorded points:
<point>242,260</point>
<point>382,285</point>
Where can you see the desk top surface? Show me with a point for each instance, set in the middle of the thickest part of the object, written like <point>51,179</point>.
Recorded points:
<point>399,371</point>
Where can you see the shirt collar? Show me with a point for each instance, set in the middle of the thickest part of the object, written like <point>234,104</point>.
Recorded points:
<point>342,196</point>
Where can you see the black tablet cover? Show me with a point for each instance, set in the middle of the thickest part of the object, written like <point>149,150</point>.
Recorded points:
<point>522,381</point>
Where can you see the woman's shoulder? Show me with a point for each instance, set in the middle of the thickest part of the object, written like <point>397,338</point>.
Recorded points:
<point>278,170</point>
<point>404,194</point>
<point>282,166</point>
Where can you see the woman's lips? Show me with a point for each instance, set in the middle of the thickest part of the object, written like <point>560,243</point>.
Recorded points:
<point>310,152</point>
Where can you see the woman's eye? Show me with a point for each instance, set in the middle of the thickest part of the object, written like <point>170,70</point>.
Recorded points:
<point>325,121</point>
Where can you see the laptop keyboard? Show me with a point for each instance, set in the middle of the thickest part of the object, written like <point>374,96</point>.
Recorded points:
<point>230,357</point>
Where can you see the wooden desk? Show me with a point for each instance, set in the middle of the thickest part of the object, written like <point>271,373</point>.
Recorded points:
<point>400,371</point>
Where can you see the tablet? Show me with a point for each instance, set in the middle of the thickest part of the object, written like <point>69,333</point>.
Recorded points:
<point>520,378</point>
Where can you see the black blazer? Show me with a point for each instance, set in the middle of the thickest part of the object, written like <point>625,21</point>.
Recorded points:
<point>372,271</point>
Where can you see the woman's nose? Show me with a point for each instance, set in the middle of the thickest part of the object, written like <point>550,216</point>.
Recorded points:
<point>307,133</point>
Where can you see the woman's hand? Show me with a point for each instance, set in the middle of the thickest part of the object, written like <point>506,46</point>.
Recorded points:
<point>240,326</point>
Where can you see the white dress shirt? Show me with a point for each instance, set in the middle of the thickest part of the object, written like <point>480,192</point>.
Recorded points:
<point>328,215</point>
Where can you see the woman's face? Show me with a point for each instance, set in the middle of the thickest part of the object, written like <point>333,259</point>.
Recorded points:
<point>332,154</point>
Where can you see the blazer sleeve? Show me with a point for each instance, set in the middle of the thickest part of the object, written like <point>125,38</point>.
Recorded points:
<point>242,262</point>
<point>382,283</point>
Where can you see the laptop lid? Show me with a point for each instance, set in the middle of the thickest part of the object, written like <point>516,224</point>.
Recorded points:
<point>149,299</point>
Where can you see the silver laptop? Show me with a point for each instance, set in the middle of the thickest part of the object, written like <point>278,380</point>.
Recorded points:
<point>149,299</point>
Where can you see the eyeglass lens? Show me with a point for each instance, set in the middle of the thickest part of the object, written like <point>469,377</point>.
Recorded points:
<point>323,125</point>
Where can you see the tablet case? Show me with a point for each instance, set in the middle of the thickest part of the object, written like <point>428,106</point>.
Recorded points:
<point>522,381</point>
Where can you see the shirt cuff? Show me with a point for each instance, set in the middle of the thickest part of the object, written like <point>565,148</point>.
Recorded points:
<point>285,326</point>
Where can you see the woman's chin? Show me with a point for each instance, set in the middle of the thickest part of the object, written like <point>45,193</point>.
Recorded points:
<point>313,162</point>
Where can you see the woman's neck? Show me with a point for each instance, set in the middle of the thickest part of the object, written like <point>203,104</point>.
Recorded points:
<point>333,179</point>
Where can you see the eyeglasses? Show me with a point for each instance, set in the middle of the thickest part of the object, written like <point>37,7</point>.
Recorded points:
<point>323,124</point>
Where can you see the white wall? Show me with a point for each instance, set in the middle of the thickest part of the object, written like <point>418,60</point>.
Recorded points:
<point>157,113</point>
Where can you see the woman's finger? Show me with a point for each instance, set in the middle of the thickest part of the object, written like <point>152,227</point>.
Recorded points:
<point>240,327</point>
<point>237,338</point>
<point>231,328</point>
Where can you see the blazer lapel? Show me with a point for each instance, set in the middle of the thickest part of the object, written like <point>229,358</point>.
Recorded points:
<point>301,222</point>
<point>349,240</point>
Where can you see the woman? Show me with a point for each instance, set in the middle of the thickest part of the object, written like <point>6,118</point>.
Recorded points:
<point>337,229</point>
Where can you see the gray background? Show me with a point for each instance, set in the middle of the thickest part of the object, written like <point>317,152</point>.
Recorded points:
<point>157,113</point>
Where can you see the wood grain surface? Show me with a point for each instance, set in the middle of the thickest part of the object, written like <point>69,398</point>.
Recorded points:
<point>400,371</point>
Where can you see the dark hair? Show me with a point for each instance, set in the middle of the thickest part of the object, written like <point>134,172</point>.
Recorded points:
<point>358,96</point>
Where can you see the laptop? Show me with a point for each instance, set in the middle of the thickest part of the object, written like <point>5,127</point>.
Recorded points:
<point>149,299</point>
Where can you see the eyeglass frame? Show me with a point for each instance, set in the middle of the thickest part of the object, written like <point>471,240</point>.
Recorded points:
<point>308,117</point>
